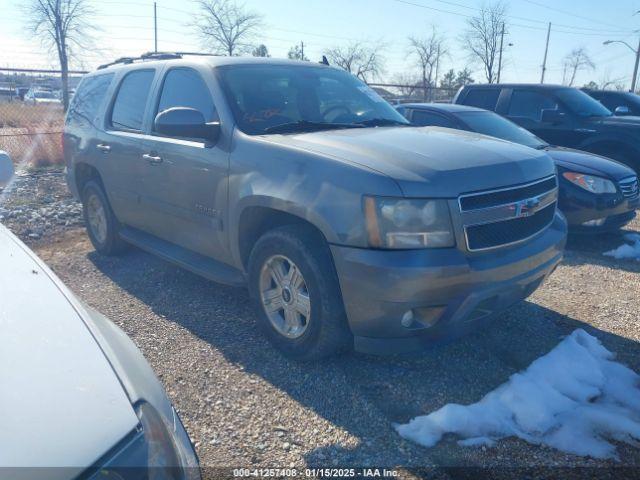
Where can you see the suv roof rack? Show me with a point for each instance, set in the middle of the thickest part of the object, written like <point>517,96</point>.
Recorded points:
<point>155,56</point>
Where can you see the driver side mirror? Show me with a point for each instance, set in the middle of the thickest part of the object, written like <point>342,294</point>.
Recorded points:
<point>622,111</point>
<point>553,116</point>
<point>6,169</point>
<point>183,122</point>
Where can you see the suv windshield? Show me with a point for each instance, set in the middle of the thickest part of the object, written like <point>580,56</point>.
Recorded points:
<point>489,123</point>
<point>582,104</point>
<point>293,98</point>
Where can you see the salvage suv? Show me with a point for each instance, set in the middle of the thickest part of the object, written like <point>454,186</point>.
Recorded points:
<point>350,227</point>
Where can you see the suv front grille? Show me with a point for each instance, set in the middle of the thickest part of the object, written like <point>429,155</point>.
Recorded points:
<point>489,199</point>
<point>502,217</point>
<point>480,237</point>
<point>629,187</point>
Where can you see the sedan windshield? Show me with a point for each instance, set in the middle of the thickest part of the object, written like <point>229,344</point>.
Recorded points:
<point>297,98</point>
<point>582,104</point>
<point>44,95</point>
<point>489,123</point>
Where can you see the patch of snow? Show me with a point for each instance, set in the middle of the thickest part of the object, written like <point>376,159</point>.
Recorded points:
<point>575,398</point>
<point>631,250</point>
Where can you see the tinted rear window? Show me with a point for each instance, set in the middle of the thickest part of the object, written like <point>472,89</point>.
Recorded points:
<point>482,98</point>
<point>128,109</point>
<point>530,104</point>
<point>424,118</point>
<point>88,99</point>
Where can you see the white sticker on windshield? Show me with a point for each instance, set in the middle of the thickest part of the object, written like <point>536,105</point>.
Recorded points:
<point>369,92</point>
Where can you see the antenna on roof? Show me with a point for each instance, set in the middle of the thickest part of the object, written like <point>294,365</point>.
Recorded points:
<point>324,60</point>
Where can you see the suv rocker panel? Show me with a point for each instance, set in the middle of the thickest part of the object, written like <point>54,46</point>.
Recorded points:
<point>187,259</point>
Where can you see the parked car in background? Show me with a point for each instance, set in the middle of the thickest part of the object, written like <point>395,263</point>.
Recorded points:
<point>596,193</point>
<point>38,97</point>
<point>350,227</point>
<point>620,103</point>
<point>80,400</point>
<point>561,116</point>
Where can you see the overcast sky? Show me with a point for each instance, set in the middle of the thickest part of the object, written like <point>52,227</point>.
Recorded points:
<point>126,28</point>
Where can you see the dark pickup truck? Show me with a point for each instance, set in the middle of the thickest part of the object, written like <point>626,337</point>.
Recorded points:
<point>561,116</point>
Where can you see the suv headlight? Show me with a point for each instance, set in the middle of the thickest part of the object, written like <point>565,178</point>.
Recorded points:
<point>590,183</point>
<point>400,223</point>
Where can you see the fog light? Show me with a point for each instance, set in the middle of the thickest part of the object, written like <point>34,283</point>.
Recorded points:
<point>595,223</point>
<point>420,318</point>
<point>407,319</point>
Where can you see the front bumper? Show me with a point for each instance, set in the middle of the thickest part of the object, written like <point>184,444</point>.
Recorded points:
<point>580,206</point>
<point>447,291</point>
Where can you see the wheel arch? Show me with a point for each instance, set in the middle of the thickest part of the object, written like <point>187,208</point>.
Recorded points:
<point>264,214</point>
<point>84,172</point>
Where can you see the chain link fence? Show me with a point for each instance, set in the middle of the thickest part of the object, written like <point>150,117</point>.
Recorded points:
<point>396,93</point>
<point>32,116</point>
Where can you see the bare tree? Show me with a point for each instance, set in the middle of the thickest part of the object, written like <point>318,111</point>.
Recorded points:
<point>576,60</point>
<point>227,27</point>
<point>407,84</point>
<point>64,25</point>
<point>481,39</point>
<point>428,52</point>
<point>365,62</point>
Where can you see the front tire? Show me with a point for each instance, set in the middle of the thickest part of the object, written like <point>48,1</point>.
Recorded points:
<point>102,225</point>
<point>294,284</point>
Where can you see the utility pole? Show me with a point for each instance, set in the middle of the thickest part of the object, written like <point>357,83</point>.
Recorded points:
<point>500,56</point>
<point>155,27</point>
<point>634,81</point>
<point>435,80</point>
<point>546,51</point>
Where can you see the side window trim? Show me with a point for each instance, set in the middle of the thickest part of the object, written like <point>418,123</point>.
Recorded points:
<point>114,96</point>
<point>159,91</point>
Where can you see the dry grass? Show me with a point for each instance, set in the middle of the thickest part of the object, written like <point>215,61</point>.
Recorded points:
<point>31,133</point>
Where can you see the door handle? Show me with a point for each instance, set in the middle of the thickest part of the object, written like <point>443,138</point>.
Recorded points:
<point>104,148</point>
<point>152,159</point>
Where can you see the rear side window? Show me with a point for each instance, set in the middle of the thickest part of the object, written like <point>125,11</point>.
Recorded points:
<point>88,99</point>
<point>422,118</point>
<point>529,104</point>
<point>128,109</point>
<point>482,98</point>
<point>184,87</point>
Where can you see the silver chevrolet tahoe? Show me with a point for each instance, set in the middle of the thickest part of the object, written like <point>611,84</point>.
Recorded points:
<point>351,228</point>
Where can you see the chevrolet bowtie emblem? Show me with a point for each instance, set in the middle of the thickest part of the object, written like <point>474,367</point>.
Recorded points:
<point>525,208</point>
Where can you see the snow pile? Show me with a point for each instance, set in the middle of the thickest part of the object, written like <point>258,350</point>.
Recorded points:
<point>626,250</point>
<point>574,399</point>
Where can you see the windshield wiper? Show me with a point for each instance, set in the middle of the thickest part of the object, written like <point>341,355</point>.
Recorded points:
<point>382,122</point>
<point>307,126</point>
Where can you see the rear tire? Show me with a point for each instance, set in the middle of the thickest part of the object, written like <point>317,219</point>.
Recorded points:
<point>102,225</point>
<point>294,285</point>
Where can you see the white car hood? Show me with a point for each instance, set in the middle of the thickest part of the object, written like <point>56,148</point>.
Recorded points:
<point>61,404</point>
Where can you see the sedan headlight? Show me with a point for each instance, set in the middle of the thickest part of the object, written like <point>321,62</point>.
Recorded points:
<point>590,183</point>
<point>151,454</point>
<point>400,223</point>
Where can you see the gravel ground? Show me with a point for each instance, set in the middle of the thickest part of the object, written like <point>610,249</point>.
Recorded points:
<point>245,405</point>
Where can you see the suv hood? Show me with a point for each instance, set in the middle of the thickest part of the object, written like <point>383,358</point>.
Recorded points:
<point>62,402</point>
<point>590,163</point>
<point>429,161</point>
